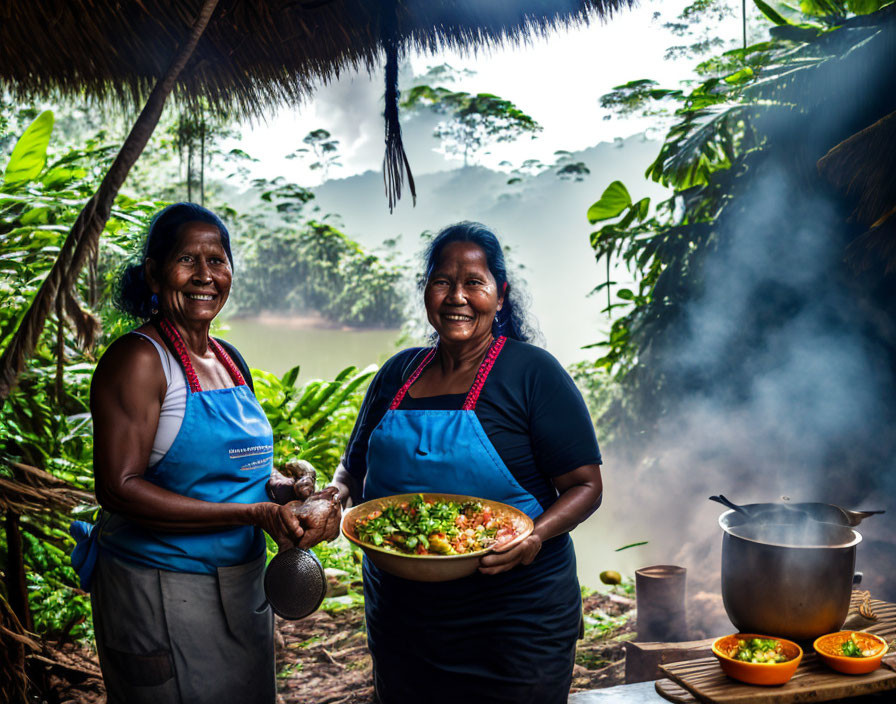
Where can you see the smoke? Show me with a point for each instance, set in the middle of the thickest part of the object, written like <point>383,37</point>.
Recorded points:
<point>351,109</point>
<point>782,392</point>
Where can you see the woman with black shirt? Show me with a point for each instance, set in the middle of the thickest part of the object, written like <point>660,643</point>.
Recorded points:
<point>487,414</point>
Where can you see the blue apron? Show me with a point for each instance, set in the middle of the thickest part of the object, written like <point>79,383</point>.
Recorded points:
<point>485,638</point>
<point>223,453</point>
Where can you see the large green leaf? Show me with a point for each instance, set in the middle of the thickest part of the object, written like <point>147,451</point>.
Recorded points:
<point>289,379</point>
<point>30,153</point>
<point>821,8</point>
<point>865,7</point>
<point>614,200</point>
<point>770,12</point>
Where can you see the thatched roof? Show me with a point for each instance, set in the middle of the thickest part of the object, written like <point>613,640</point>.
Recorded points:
<point>254,53</point>
<point>863,167</point>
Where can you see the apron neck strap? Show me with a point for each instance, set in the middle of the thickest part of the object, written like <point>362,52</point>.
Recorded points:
<point>170,333</point>
<point>482,374</point>
<point>399,397</point>
<point>473,396</point>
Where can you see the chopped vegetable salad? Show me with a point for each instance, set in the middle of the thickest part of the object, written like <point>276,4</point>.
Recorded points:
<point>757,650</point>
<point>859,646</point>
<point>426,527</point>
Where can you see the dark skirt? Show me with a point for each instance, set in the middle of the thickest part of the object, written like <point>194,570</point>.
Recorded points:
<point>507,638</point>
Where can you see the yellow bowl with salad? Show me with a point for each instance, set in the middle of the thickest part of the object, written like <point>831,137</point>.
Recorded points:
<point>757,659</point>
<point>432,537</point>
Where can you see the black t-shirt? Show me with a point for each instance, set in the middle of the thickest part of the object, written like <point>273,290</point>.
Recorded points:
<point>529,408</point>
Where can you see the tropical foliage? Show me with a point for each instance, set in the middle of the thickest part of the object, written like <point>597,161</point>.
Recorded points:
<point>322,148</point>
<point>781,104</point>
<point>311,422</point>
<point>44,421</point>
<point>472,121</point>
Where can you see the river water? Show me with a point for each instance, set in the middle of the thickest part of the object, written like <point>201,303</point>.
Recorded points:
<point>321,353</point>
<point>278,345</point>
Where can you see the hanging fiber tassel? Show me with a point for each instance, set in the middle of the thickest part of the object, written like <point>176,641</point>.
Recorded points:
<point>395,161</point>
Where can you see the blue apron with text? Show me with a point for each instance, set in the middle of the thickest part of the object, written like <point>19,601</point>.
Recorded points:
<point>223,453</point>
<point>485,638</point>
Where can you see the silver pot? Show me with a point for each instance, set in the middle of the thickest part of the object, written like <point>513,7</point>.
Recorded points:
<point>788,579</point>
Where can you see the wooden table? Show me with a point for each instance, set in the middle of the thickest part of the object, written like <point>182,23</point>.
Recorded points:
<point>702,679</point>
<point>645,693</point>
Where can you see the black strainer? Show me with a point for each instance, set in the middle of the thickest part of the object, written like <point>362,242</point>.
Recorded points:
<point>294,583</point>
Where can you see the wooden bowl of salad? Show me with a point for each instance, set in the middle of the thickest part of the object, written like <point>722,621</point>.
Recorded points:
<point>429,537</point>
<point>757,659</point>
<point>851,652</point>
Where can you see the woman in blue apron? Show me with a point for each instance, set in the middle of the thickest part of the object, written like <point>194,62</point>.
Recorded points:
<point>183,461</point>
<point>481,413</point>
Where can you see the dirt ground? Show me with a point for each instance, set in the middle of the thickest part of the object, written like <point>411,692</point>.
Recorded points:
<point>323,659</point>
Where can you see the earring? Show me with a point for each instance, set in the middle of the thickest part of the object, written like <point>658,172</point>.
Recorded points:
<point>154,304</point>
<point>499,324</point>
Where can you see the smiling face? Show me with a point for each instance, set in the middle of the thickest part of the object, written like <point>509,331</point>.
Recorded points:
<point>461,295</point>
<point>193,282</point>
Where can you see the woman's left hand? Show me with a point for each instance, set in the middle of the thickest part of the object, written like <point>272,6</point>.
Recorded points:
<point>522,554</point>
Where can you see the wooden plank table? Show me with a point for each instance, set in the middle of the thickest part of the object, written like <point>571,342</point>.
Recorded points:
<point>702,680</point>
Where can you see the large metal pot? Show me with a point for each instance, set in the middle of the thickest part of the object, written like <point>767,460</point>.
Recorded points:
<point>787,578</point>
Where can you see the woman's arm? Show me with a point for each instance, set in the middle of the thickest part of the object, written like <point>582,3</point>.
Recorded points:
<point>349,491</point>
<point>125,402</point>
<point>580,495</point>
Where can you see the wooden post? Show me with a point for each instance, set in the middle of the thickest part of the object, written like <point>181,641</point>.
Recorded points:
<point>16,587</point>
<point>83,239</point>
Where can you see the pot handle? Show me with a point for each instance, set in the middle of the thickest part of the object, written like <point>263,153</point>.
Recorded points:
<point>857,578</point>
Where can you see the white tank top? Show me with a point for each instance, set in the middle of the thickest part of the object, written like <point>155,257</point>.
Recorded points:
<point>174,405</point>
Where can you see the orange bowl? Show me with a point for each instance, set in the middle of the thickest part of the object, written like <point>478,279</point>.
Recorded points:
<point>430,568</point>
<point>843,663</point>
<point>757,673</point>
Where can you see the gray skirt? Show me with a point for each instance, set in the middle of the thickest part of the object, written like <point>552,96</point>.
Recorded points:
<point>183,638</point>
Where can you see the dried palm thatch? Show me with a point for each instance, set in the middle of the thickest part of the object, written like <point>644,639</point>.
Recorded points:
<point>875,246</point>
<point>254,54</point>
<point>15,643</point>
<point>863,168</point>
<point>32,490</point>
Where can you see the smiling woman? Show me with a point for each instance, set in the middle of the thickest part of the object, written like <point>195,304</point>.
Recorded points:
<point>183,460</point>
<point>484,414</point>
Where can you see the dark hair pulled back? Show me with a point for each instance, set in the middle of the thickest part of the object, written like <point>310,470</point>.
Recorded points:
<point>511,321</point>
<point>133,296</point>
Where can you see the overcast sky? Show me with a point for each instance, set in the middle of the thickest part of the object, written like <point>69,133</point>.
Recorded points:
<point>558,80</point>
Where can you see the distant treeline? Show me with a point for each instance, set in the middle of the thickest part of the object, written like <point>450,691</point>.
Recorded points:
<point>315,268</point>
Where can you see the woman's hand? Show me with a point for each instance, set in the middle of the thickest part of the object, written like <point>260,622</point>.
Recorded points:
<point>282,490</point>
<point>522,554</point>
<point>280,522</point>
<point>320,516</point>
<point>298,485</point>
<point>579,492</point>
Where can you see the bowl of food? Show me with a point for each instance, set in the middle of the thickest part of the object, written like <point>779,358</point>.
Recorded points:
<point>851,652</point>
<point>433,537</point>
<point>756,659</point>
